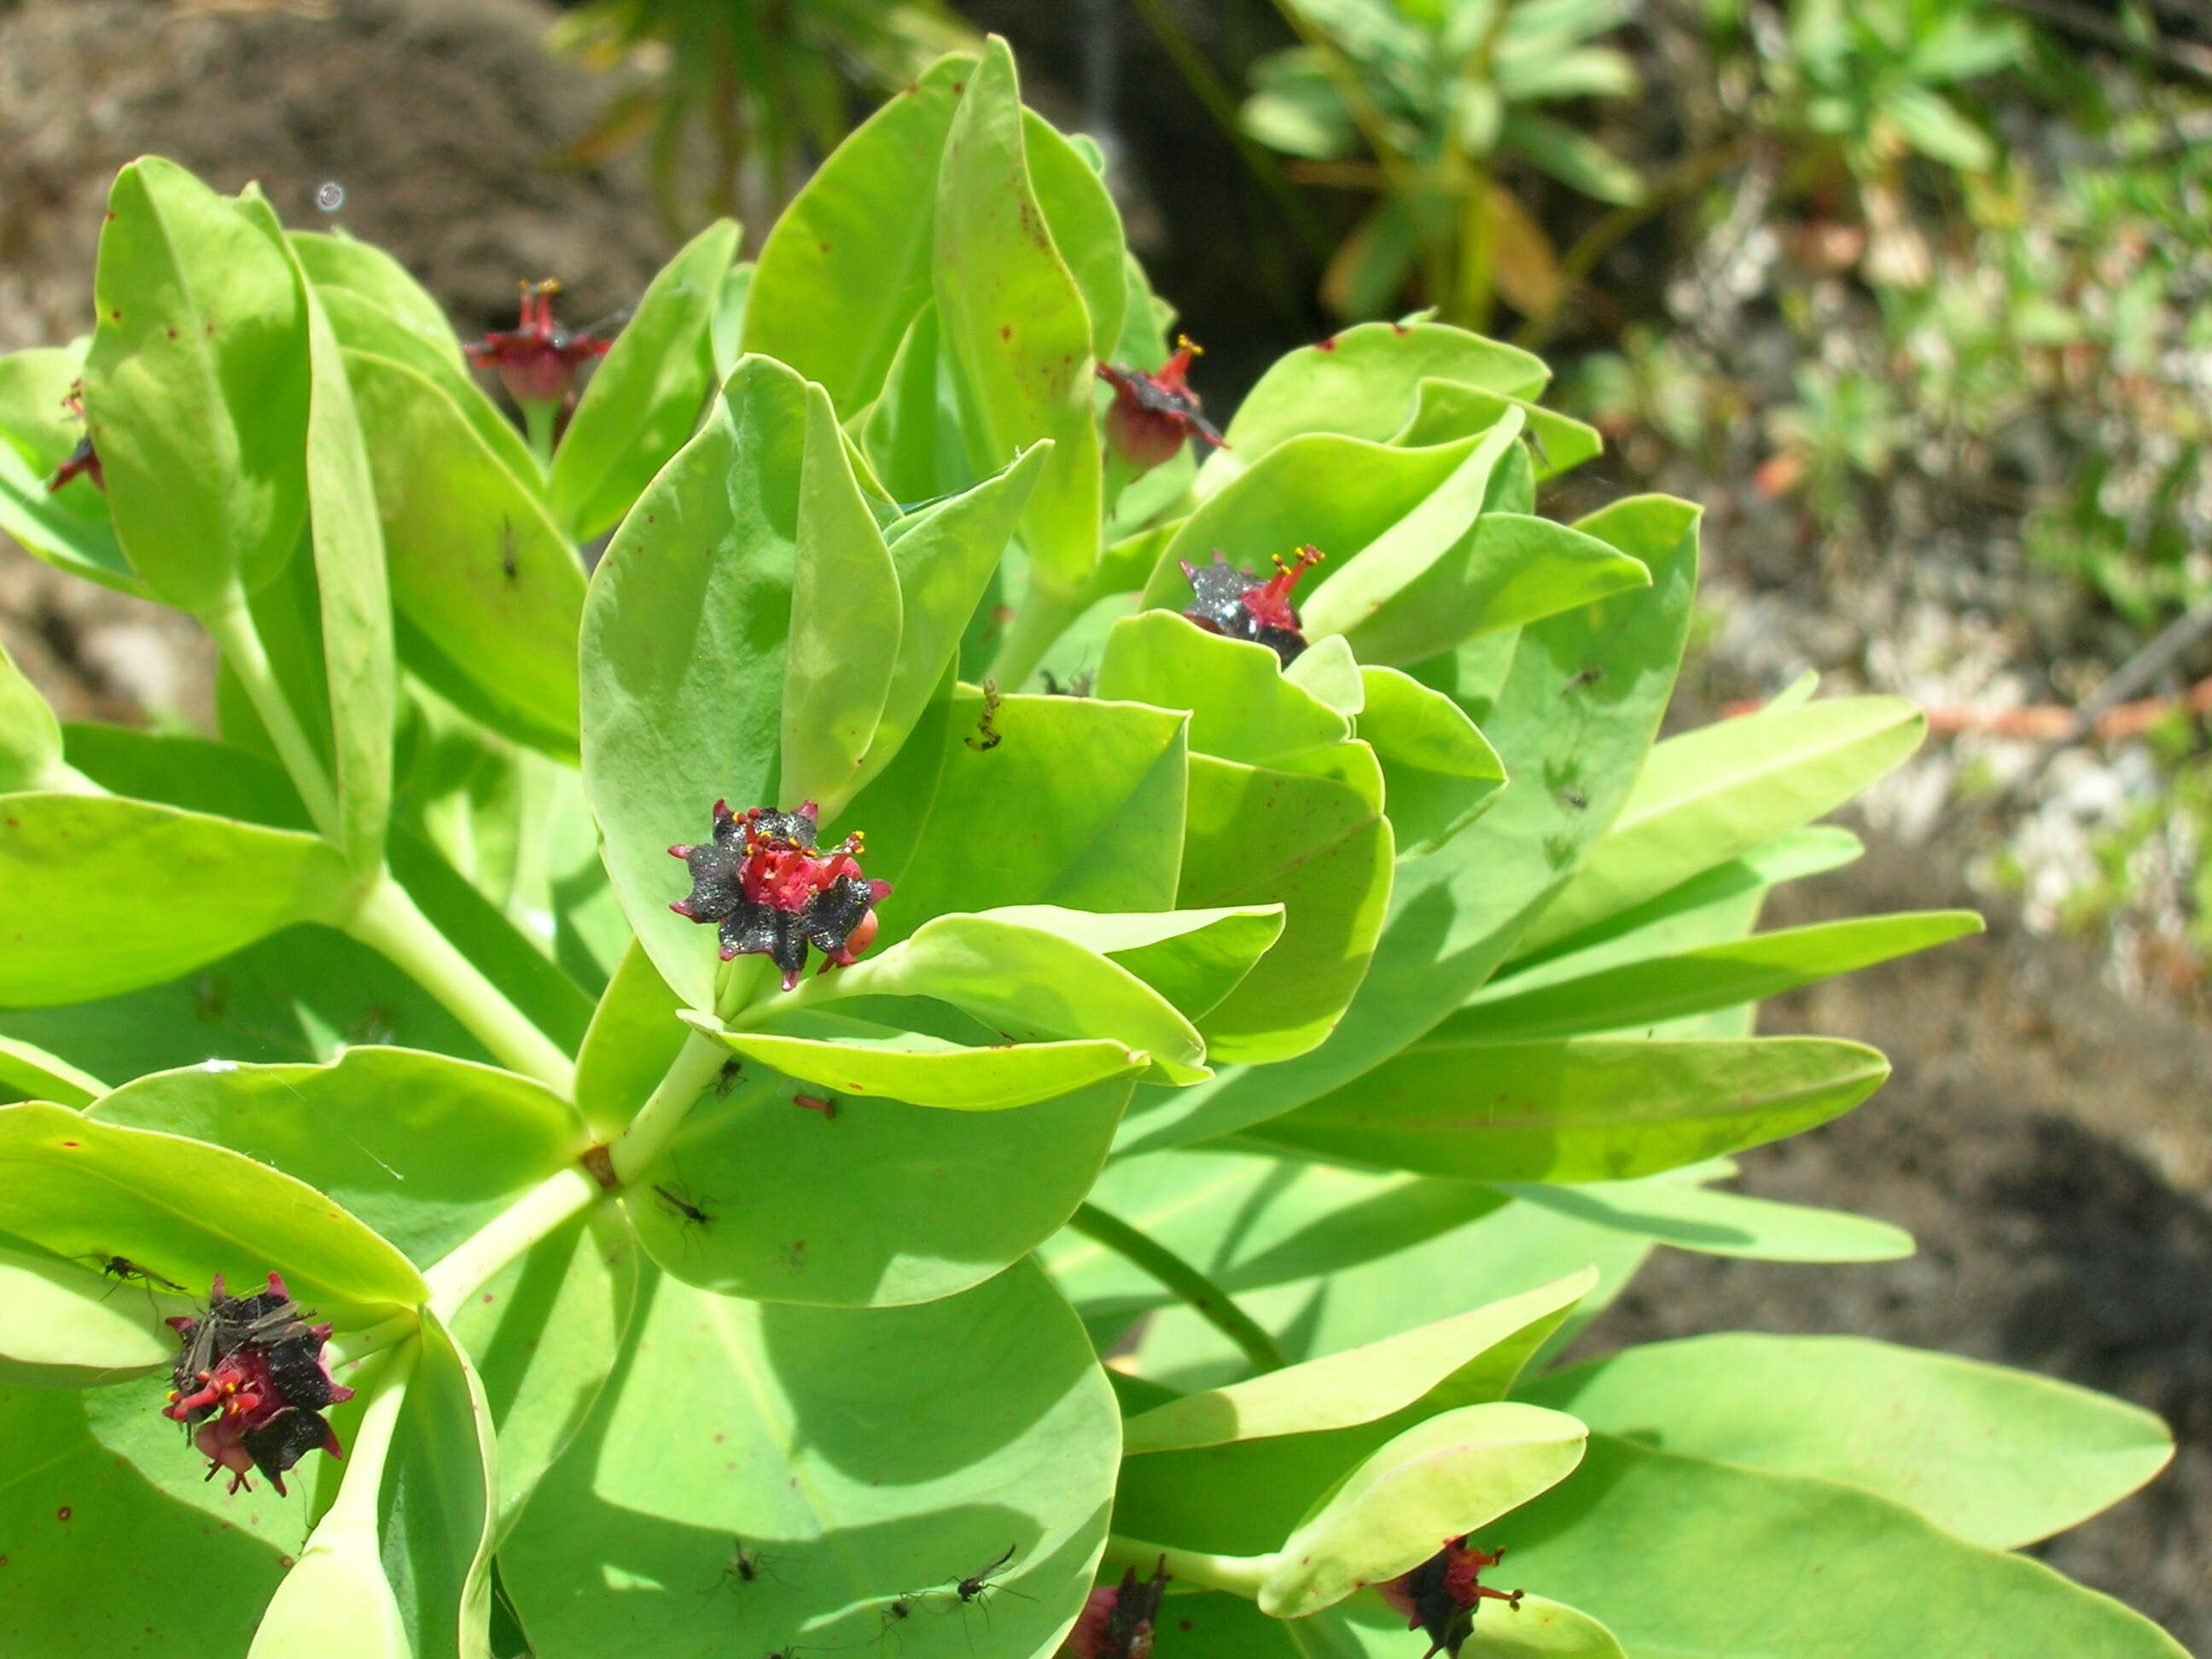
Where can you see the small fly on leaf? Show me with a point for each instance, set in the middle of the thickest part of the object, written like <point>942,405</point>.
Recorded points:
<point>123,1269</point>
<point>726,1078</point>
<point>745,1565</point>
<point>976,1585</point>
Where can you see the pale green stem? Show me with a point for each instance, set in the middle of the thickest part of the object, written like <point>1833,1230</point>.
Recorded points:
<point>351,1517</point>
<point>538,419</point>
<point>388,922</point>
<point>1240,1575</point>
<point>1198,1292</point>
<point>1044,616</point>
<point>544,1209</point>
<point>686,1079</point>
<point>231,625</point>
<point>353,1346</point>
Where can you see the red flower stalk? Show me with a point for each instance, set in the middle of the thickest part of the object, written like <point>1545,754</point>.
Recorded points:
<point>252,1375</point>
<point>83,461</point>
<point>1117,1619</point>
<point>1153,415</point>
<point>1440,1597</point>
<point>770,891</point>
<point>537,358</point>
<point>1232,600</point>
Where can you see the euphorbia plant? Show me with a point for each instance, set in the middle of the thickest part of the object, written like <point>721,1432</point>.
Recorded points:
<point>1323,1018</point>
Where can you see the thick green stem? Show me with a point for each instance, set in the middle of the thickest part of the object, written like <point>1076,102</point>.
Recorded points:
<point>231,626</point>
<point>350,1521</point>
<point>350,1347</point>
<point>686,1079</point>
<point>1044,616</point>
<point>388,922</point>
<point>1240,1575</point>
<point>544,1209</point>
<point>1198,1292</point>
<point>538,419</point>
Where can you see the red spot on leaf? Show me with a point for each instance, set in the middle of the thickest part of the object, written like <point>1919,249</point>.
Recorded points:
<point>1329,344</point>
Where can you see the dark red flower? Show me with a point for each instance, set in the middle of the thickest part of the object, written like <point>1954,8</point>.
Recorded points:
<point>1440,1597</point>
<point>1153,415</point>
<point>82,461</point>
<point>537,358</point>
<point>771,892</point>
<point>251,1372</point>
<point>1116,1621</point>
<point>1229,599</point>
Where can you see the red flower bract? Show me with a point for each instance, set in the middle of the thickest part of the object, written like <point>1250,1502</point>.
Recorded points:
<point>251,1373</point>
<point>1153,415</point>
<point>1117,1619</point>
<point>1440,1597</point>
<point>770,891</point>
<point>537,358</point>
<point>1229,600</point>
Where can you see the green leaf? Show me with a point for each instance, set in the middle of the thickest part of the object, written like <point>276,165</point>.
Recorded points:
<point>1452,1475</point>
<point>1361,1385</point>
<point>1513,569</point>
<point>1193,958</point>
<point>1571,745</point>
<point>912,430</point>
<point>355,596</point>
<point>43,1075</point>
<point>646,394</point>
<point>632,1041</point>
<point>1242,707</point>
<point>848,262</point>
<point>1085,225</point>
<point>66,1329</point>
<point>1708,794</point>
<point>1103,836</point>
<point>80,1189</point>
<point>1013,321</point>
<point>1824,1564</point>
<point>197,385</point>
<point>368,272</point>
<point>1328,669</point>
<point>477,569</point>
<point>1362,383</point>
<point>436,1510</point>
<point>1573,157</point>
<point>1438,770</point>
<point>67,528</point>
<point>1007,1434</point>
<point>545,1333</point>
<point>855,1057</point>
<point>30,736</point>
<point>200,1566</point>
<point>1366,1629</point>
<point>1024,983</point>
<point>1588,1109</point>
<point>1691,1217</point>
<point>845,618</point>
<point>1445,409</point>
<point>943,556</point>
<point>1995,1457</point>
<point>1318,846</point>
<point>1662,987</point>
<point>1934,126</point>
<point>424,1150</point>
<point>81,923</point>
<point>871,1203</point>
<point>683,654</point>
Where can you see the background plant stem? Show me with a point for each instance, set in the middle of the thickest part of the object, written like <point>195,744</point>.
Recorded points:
<point>388,921</point>
<point>1201,1294</point>
<point>541,1210</point>
<point>231,626</point>
<point>1240,1575</point>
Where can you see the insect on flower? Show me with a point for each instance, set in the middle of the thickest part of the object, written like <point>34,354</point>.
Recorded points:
<point>770,891</point>
<point>1229,599</point>
<point>1153,415</point>
<point>1440,1597</point>
<point>251,1373</point>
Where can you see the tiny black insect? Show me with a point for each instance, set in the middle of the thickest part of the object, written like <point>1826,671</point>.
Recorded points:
<point>975,1584</point>
<point>746,1565</point>
<point>1589,676</point>
<point>508,564</point>
<point>726,1078</point>
<point>676,1204</point>
<point>1574,797</point>
<point>987,737</point>
<point>122,1269</point>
